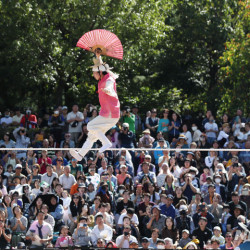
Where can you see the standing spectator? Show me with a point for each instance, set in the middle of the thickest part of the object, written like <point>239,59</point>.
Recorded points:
<point>67,179</point>
<point>16,119</point>
<point>128,117</point>
<point>138,121</point>
<point>211,129</point>
<point>196,133</point>
<point>6,120</point>
<point>64,240</point>
<point>206,119</point>
<point>29,121</point>
<point>7,142</point>
<point>22,141</point>
<point>43,161</point>
<point>152,123</point>
<point>126,136</point>
<point>83,137</point>
<point>174,128</point>
<point>75,119</point>
<point>187,134</point>
<point>40,232</point>
<point>5,234</point>
<point>164,124</point>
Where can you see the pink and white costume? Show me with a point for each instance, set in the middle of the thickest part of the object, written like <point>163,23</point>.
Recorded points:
<point>108,117</point>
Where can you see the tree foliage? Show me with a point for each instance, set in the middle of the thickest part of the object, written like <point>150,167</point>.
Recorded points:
<point>171,51</point>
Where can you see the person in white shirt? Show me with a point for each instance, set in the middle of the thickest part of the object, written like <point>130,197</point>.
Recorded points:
<point>123,240</point>
<point>209,160</point>
<point>6,120</point>
<point>211,130</point>
<point>101,230</point>
<point>131,214</point>
<point>93,177</point>
<point>104,166</point>
<point>187,134</point>
<point>67,180</point>
<point>49,175</point>
<point>223,135</point>
<point>197,133</point>
<point>16,119</point>
<point>75,119</point>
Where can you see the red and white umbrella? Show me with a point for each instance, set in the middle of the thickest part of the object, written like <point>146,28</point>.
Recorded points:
<point>103,41</point>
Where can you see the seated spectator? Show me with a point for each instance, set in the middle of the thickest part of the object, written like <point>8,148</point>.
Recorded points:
<point>16,119</point>
<point>184,239</point>
<point>67,179</point>
<point>154,240</point>
<point>184,221</point>
<point>167,208</point>
<point>64,240</point>
<point>101,230</point>
<point>157,219</point>
<point>147,158</point>
<point>188,188</point>
<point>67,139</point>
<point>40,232</point>
<point>217,235</point>
<point>6,120</point>
<point>202,232</point>
<point>82,233</point>
<point>48,218</point>
<point>6,235</point>
<point>146,141</point>
<point>170,230</point>
<point>123,240</point>
<point>146,175</point>
<point>202,211</point>
<point>216,210</point>
<point>49,175</point>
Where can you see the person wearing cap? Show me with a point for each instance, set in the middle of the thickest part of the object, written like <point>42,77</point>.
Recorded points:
<point>146,141</point>
<point>138,120</point>
<point>184,239</point>
<point>202,211</point>
<point>158,153</point>
<point>126,137</point>
<point>189,190</point>
<point>236,201</point>
<point>217,235</point>
<point>202,232</point>
<point>17,174</point>
<point>157,219</point>
<point>145,243</point>
<point>232,222</point>
<point>128,117</point>
<point>167,208</point>
<point>28,120</point>
<point>110,109</point>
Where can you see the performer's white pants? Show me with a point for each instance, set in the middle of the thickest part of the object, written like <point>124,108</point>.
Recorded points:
<point>97,129</point>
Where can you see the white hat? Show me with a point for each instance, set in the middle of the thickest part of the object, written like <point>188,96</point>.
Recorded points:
<point>18,166</point>
<point>99,65</point>
<point>64,107</point>
<point>125,125</point>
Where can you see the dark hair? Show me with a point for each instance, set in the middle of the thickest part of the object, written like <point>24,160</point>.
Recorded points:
<point>173,226</point>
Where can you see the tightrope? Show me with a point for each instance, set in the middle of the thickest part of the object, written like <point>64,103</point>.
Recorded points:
<point>131,149</point>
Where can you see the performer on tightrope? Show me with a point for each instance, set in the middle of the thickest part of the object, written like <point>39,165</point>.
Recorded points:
<point>110,109</point>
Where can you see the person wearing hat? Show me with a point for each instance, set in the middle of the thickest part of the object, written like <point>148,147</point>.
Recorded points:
<point>146,141</point>
<point>145,243</point>
<point>138,120</point>
<point>110,109</point>
<point>181,143</point>
<point>17,174</point>
<point>167,208</point>
<point>128,117</point>
<point>219,188</point>
<point>157,220</point>
<point>217,235</point>
<point>158,153</point>
<point>202,232</point>
<point>191,157</point>
<point>147,158</point>
<point>185,238</point>
<point>232,221</point>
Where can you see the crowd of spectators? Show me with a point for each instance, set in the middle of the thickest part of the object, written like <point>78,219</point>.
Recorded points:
<point>181,198</point>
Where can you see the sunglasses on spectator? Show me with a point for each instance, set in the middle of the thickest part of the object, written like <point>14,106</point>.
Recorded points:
<point>99,242</point>
<point>59,160</point>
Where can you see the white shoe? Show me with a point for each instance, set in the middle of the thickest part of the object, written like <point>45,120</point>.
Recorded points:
<point>75,154</point>
<point>105,147</point>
